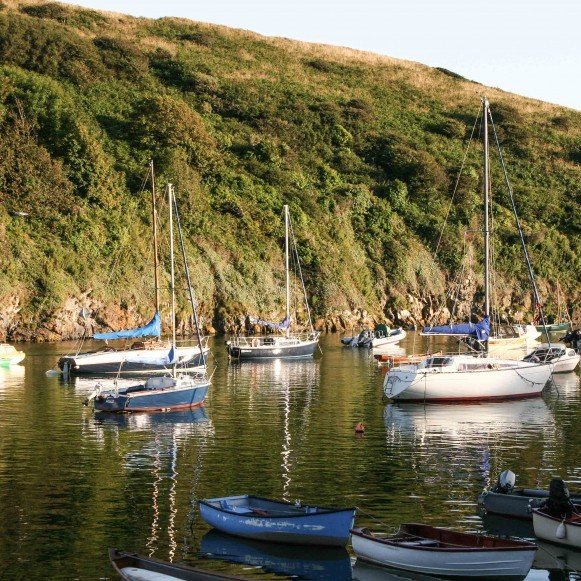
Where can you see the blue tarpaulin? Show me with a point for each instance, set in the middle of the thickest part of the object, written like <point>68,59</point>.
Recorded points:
<point>152,329</point>
<point>479,330</point>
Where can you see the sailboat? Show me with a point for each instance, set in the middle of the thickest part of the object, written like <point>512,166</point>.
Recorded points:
<point>472,377</point>
<point>175,390</point>
<point>285,345</point>
<point>144,356</point>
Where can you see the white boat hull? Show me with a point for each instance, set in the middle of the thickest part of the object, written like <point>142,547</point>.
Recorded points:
<point>130,361</point>
<point>566,363</point>
<point>449,563</point>
<point>546,528</point>
<point>413,383</point>
<point>389,340</point>
<point>273,347</point>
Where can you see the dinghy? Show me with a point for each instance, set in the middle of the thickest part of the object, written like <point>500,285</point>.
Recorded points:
<point>435,551</point>
<point>563,531</point>
<point>508,500</point>
<point>559,519</point>
<point>381,336</point>
<point>388,337</point>
<point>564,359</point>
<point>259,518</point>
<point>137,568</point>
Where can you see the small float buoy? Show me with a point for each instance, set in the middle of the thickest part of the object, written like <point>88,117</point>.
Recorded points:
<point>359,428</point>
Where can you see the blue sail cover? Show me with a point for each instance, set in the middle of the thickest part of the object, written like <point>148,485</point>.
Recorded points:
<point>276,326</point>
<point>152,329</point>
<point>479,330</point>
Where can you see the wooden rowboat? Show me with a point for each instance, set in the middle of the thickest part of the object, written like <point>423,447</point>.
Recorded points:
<point>136,568</point>
<point>271,520</point>
<point>435,551</point>
<point>563,531</point>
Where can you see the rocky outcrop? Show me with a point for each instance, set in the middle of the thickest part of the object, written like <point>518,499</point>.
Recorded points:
<point>9,316</point>
<point>83,315</point>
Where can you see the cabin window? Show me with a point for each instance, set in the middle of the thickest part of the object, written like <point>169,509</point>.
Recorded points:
<point>438,362</point>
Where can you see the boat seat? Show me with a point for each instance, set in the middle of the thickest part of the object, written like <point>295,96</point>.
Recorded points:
<point>225,505</point>
<point>419,543</point>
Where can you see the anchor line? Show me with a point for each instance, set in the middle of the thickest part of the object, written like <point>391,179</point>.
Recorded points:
<point>359,509</point>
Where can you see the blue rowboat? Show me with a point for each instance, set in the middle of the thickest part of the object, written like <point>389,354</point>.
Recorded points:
<point>272,520</point>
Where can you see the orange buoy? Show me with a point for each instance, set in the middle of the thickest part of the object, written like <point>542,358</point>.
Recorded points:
<point>359,428</point>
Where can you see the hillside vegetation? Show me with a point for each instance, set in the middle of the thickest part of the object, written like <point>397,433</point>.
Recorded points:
<point>365,149</point>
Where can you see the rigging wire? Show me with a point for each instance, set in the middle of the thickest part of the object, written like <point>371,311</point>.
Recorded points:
<point>456,184</point>
<point>520,231</point>
<point>294,244</point>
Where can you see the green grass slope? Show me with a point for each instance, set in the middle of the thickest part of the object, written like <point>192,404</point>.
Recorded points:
<point>365,149</point>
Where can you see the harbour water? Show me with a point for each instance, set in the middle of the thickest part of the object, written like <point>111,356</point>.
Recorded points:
<point>73,483</point>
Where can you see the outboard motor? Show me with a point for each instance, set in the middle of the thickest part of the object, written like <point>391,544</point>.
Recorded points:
<point>365,337</point>
<point>573,338</point>
<point>559,502</point>
<point>505,482</point>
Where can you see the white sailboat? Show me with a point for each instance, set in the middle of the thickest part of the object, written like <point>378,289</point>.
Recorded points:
<point>143,356</point>
<point>282,345</point>
<point>466,377</point>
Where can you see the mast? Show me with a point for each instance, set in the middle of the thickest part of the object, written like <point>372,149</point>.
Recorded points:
<point>286,261</point>
<point>154,222</point>
<point>172,283</point>
<point>486,211</point>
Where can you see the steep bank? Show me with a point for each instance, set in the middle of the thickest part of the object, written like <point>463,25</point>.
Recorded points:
<point>365,150</point>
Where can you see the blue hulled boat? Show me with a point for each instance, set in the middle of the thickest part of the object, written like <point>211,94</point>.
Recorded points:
<point>157,393</point>
<point>263,519</point>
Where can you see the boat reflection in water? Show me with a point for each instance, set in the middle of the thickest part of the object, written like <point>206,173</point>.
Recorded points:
<point>363,571</point>
<point>567,385</point>
<point>303,562</point>
<point>11,377</point>
<point>549,557</point>
<point>181,421</point>
<point>465,422</point>
<point>477,442</point>
<point>161,451</point>
<point>280,386</point>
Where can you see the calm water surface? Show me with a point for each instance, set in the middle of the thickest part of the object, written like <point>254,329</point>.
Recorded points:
<point>73,483</point>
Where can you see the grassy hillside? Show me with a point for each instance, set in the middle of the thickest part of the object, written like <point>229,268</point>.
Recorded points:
<point>365,149</point>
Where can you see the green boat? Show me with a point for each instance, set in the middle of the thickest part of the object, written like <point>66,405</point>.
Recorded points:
<point>554,327</point>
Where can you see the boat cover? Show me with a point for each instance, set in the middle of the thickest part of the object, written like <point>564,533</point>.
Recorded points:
<point>276,326</point>
<point>152,329</point>
<point>479,330</point>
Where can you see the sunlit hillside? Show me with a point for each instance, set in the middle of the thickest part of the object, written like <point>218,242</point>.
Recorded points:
<point>365,149</point>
